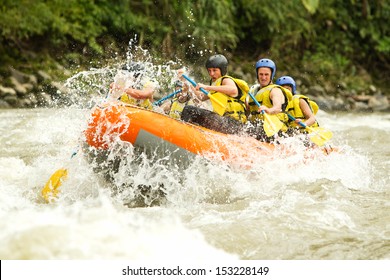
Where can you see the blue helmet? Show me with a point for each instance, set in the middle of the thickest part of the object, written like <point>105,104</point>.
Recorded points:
<point>287,80</point>
<point>265,62</point>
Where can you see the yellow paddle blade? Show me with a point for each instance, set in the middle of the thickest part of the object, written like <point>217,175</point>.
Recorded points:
<point>319,135</point>
<point>51,189</point>
<point>272,124</point>
<point>217,104</point>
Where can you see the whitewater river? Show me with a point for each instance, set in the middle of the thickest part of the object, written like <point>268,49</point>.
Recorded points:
<point>326,207</point>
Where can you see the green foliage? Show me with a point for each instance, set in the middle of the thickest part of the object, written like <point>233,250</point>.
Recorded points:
<point>311,5</point>
<point>324,37</point>
<point>213,24</point>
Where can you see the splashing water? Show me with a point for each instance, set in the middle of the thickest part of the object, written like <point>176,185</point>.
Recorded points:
<point>91,87</point>
<point>290,205</point>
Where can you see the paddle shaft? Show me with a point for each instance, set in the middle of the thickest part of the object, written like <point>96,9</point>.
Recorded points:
<point>219,110</point>
<point>255,100</point>
<point>293,119</point>
<point>194,84</point>
<point>158,103</point>
<point>323,135</point>
<point>272,123</point>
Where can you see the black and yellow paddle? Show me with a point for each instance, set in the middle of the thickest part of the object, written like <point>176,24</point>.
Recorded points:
<point>318,135</point>
<point>218,107</point>
<point>51,188</point>
<point>272,124</point>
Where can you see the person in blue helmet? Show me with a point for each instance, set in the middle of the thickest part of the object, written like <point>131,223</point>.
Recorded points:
<point>302,108</point>
<point>274,99</point>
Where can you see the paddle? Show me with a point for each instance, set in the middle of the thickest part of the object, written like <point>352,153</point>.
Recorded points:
<point>319,135</point>
<point>51,188</point>
<point>272,124</point>
<point>218,107</point>
<point>158,103</point>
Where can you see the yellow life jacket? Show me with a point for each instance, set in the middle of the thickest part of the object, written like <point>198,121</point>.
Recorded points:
<point>144,103</point>
<point>263,97</point>
<point>235,107</point>
<point>177,107</point>
<point>296,111</point>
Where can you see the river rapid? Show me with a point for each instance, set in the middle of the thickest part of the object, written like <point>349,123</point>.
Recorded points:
<point>328,207</point>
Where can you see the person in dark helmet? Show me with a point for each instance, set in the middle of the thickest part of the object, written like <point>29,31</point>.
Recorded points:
<point>224,88</point>
<point>227,99</point>
<point>133,87</point>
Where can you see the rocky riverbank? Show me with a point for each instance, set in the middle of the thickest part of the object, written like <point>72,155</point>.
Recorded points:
<point>21,90</point>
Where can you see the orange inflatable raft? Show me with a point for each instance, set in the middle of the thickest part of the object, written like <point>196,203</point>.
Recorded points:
<point>150,131</point>
<point>153,132</point>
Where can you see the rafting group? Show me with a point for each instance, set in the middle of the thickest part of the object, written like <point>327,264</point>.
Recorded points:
<point>238,125</point>
<point>265,111</point>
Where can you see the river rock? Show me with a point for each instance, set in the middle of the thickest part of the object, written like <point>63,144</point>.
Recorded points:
<point>324,103</point>
<point>378,102</point>
<point>43,99</point>
<point>361,107</point>
<point>12,100</point>
<point>18,75</point>
<point>4,91</point>
<point>361,98</point>
<point>4,104</point>
<point>339,104</point>
<point>372,89</point>
<point>43,76</point>
<point>20,89</point>
<point>317,90</point>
